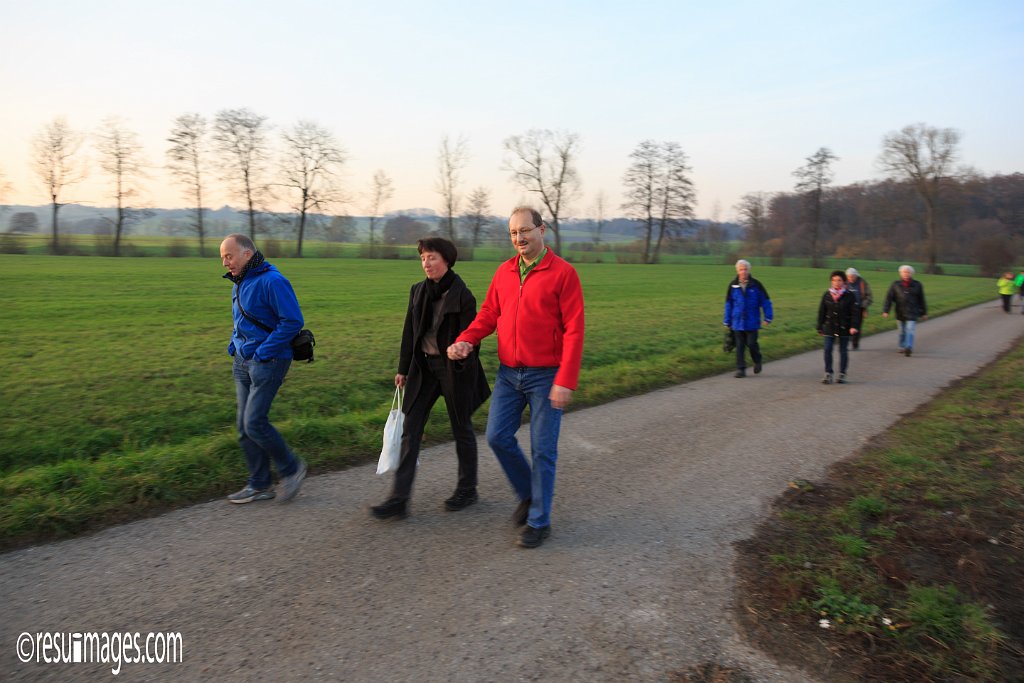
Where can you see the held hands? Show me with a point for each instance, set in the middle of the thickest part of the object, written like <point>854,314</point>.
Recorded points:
<point>459,350</point>
<point>853,330</point>
<point>560,397</point>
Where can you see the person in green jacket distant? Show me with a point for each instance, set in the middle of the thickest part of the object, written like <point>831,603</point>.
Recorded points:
<point>1018,282</point>
<point>1006,288</point>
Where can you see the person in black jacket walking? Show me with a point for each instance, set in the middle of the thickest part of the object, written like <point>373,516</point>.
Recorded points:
<point>837,316</point>
<point>440,308</point>
<point>908,296</point>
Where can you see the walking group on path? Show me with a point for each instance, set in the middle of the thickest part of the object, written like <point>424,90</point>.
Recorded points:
<point>535,304</point>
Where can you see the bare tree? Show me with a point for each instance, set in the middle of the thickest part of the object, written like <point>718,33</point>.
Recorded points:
<point>659,193</point>
<point>813,180</point>
<point>310,166</point>
<point>240,136</point>
<point>451,159</point>
<point>381,191</point>
<point>186,159</point>
<point>752,211</point>
<point>544,162</point>
<point>924,156</point>
<point>53,152</point>
<point>599,211</point>
<point>121,159</point>
<point>477,220</point>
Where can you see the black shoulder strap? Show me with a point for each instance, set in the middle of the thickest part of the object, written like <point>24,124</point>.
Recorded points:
<point>256,322</point>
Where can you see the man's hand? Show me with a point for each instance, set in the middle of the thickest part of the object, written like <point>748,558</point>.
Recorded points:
<point>400,380</point>
<point>853,330</point>
<point>923,318</point>
<point>560,397</point>
<point>460,350</point>
<point>885,315</point>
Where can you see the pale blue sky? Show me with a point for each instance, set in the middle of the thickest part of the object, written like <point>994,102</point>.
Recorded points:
<point>749,89</point>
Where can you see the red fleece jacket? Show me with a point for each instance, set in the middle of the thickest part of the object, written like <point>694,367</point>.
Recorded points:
<point>540,324</point>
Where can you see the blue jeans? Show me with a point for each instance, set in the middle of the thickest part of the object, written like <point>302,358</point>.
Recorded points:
<point>907,328</point>
<point>844,356</point>
<point>514,389</point>
<point>256,384</point>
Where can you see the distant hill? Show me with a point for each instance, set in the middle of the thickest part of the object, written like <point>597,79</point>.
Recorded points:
<point>90,220</point>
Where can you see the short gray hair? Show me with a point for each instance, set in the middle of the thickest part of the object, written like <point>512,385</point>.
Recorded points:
<point>910,269</point>
<point>743,262</point>
<point>244,241</point>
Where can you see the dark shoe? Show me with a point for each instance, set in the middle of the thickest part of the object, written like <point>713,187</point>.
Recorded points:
<point>462,498</point>
<point>291,484</point>
<point>533,537</point>
<point>842,378</point>
<point>907,351</point>
<point>391,508</point>
<point>827,379</point>
<point>757,368</point>
<point>250,495</point>
<point>522,512</point>
<point>740,373</point>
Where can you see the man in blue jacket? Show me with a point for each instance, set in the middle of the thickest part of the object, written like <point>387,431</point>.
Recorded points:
<point>744,301</point>
<point>261,299</point>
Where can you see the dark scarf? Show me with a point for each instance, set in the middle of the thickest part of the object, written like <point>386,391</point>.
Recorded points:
<point>434,291</point>
<point>256,260</point>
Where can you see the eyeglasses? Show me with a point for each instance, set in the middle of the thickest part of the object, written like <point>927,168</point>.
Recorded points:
<point>525,232</point>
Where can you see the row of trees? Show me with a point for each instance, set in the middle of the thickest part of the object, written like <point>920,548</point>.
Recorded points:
<point>926,208</point>
<point>303,171</point>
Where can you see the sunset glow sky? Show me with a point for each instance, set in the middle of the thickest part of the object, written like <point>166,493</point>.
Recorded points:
<point>748,89</point>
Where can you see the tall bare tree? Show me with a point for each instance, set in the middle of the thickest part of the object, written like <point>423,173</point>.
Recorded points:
<point>451,159</point>
<point>752,211</point>
<point>381,191</point>
<point>659,193</point>
<point>813,179</point>
<point>121,159</point>
<point>477,220</point>
<point>310,168</point>
<point>186,159</point>
<point>544,162</point>
<point>600,216</point>
<point>240,136</point>
<point>53,158</point>
<point>923,156</point>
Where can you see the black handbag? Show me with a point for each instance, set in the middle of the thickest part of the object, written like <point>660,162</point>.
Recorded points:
<point>302,343</point>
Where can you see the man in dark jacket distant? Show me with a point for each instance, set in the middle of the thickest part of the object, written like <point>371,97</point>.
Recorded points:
<point>908,296</point>
<point>261,360</point>
<point>745,299</point>
<point>440,307</point>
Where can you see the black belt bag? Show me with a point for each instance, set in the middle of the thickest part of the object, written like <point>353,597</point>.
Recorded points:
<point>302,343</point>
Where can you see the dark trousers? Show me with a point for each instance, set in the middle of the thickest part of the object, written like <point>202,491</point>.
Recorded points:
<point>745,338</point>
<point>858,320</point>
<point>432,387</point>
<point>1007,301</point>
<point>844,358</point>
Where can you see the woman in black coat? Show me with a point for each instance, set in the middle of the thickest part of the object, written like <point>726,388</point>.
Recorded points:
<point>837,320</point>
<point>440,308</point>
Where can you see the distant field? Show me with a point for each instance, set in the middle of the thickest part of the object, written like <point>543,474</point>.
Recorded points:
<point>619,251</point>
<point>119,398</point>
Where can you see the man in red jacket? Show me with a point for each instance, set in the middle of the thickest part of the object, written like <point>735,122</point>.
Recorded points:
<point>535,302</point>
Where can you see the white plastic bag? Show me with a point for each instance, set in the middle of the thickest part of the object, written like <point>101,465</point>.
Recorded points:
<point>391,453</point>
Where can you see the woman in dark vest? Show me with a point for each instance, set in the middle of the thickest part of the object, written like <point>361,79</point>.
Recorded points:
<point>440,308</point>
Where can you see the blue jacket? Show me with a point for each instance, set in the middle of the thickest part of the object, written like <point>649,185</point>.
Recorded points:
<point>267,296</point>
<point>743,308</point>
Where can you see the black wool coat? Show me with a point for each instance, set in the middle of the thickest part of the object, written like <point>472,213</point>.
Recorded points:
<point>464,380</point>
<point>835,318</point>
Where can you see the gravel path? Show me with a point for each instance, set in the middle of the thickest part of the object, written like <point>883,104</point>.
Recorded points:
<point>635,582</point>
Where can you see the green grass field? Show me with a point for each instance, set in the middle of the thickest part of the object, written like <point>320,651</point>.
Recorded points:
<point>119,400</point>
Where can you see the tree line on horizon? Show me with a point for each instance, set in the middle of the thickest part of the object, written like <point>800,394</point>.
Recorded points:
<point>926,208</point>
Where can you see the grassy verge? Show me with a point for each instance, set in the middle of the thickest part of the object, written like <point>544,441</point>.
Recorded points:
<point>907,563</point>
<point>119,401</point>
